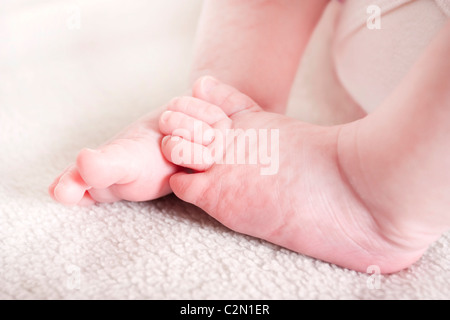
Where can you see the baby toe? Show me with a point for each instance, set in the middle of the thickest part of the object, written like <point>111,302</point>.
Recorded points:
<point>182,125</point>
<point>51,188</point>
<point>228,98</point>
<point>198,109</point>
<point>70,188</point>
<point>185,153</point>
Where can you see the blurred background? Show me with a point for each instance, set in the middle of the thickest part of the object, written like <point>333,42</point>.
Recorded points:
<point>89,60</point>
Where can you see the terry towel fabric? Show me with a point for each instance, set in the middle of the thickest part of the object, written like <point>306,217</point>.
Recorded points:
<point>66,84</point>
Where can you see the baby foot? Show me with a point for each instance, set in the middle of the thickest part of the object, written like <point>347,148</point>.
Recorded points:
<point>128,167</point>
<point>306,205</point>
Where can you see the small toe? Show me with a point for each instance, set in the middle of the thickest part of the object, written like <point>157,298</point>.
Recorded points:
<point>198,109</point>
<point>191,129</point>
<point>229,99</point>
<point>51,188</point>
<point>70,188</point>
<point>187,154</point>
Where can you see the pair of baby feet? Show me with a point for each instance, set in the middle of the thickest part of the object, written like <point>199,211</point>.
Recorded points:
<point>302,203</point>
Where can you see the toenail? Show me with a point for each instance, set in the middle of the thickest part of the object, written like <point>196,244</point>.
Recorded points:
<point>165,116</point>
<point>165,140</point>
<point>208,83</point>
<point>175,139</point>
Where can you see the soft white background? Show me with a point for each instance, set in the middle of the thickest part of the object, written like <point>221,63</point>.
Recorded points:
<point>62,89</point>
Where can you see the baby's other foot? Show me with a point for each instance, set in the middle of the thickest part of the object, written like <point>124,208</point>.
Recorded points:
<point>128,167</point>
<point>274,178</point>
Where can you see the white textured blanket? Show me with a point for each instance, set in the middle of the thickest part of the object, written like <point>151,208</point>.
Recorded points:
<point>72,73</point>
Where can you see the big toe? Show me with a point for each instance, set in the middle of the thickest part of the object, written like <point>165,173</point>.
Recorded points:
<point>228,98</point>
<point>203,191</point>
<point>192,188</point>
<point>109,165</point>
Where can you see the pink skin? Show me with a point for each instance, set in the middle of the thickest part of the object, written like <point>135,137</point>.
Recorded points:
<point>374,191</point>
<point>244,44</point>
<point>371,192</point>
<point>130,166</point>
